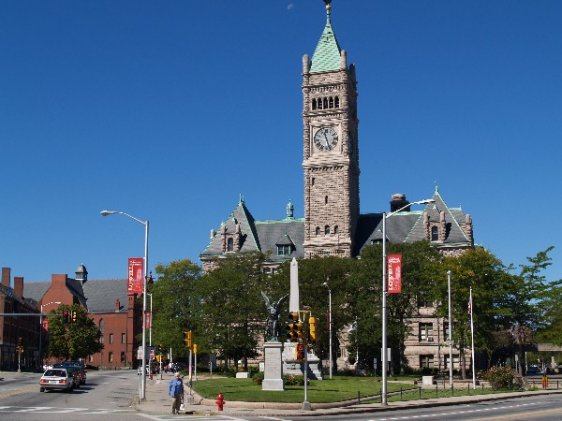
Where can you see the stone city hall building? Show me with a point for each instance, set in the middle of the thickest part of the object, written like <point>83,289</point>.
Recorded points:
<point>333,224</point>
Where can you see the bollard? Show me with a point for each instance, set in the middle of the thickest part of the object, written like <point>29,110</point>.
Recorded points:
<point>358,396</point>
<point>400,392</point>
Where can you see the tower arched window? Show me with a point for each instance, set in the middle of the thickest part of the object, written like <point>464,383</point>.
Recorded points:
<point>335,229</point>
<point>337,102</point>
<point>327,230</point>
<point>331,102</point>
<point>230,244</point>
<point>325,103</point>
<point>314,104</point>
<point>326,200</point>
<point>317,230</point>
<point>319,103</point>
<point>434,233</point>
<point>312,181</point>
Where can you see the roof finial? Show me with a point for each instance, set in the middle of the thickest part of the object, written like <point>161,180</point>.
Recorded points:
<point>241,200</point>
<point>328,9</point>
<point>436,186</point>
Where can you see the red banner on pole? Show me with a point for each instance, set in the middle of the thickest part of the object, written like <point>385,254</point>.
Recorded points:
<point>135,284</point>
<point>148,319</point>
<point>46,324</point>
<point>394,273</point>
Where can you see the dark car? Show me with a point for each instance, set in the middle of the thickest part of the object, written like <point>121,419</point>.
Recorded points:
<point>56,379</point>
<point>76,372</point>
<point>533,371</point>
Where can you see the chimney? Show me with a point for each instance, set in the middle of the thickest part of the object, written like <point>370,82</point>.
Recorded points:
<point>117,305</point>
<point>6,275</point>
<point>18,286</point>
<point>398,201</point>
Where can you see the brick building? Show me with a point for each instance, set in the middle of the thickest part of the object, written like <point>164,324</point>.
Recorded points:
<point>20,329</point>
<point>333,224</point>
<point>117,314</point>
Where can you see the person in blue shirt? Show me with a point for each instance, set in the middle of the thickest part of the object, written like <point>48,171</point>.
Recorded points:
<point>175,390</point>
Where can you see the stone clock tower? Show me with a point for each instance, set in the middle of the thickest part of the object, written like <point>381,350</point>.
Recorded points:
<point>331,161</point>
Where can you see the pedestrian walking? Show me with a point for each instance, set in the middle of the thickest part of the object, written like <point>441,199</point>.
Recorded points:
<point>175,390</point>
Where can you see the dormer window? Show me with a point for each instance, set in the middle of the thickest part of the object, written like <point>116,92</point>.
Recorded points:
<point>230,244</point>
<point>284,249</point>
<point>434,233</point>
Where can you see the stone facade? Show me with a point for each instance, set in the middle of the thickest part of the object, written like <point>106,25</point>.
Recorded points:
<point>331,172</point>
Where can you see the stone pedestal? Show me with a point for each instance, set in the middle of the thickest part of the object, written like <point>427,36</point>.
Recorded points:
<point>273,366</point>
<point>293,366</point>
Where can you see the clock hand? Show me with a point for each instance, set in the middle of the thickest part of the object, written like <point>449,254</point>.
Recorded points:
<point>327,143</point>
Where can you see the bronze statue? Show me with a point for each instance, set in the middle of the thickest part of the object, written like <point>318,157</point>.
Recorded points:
<point>272,333</point>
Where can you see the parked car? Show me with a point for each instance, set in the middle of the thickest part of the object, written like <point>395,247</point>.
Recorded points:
<point>533,371</point>
<point>56,379</point>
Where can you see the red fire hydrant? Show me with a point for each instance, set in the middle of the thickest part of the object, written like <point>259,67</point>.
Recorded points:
<point>220,401</point>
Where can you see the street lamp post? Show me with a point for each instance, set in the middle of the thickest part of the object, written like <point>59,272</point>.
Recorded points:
<point>150,327</point>
<point>330,324</point>
<point>142,386</point>
<point>450,330</point>
<point>41,329</point>
<point>384,354</point>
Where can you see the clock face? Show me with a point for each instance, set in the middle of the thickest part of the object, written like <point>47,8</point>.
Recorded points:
<point>326,138</point>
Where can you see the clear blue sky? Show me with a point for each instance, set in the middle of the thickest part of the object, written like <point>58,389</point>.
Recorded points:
<point>169,110</point>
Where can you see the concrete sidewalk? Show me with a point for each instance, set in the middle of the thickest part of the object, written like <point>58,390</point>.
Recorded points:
<point>158,402</point>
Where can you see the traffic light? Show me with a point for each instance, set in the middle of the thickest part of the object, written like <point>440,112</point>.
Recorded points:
<point>65,316</point>
<point>292,326</point>
<point>195,348</point>
<point>74,316</point>
<point>299,329</point>
<point>188,339</point>
<point>312,328</point>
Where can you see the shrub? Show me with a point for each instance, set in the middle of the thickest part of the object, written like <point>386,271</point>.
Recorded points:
<point>503,378</point>
<point>257,377</point>
<point>293,380</point>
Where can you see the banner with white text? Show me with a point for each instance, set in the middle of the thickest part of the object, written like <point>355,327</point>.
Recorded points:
<point>135,278</point>
<point>394,273</point>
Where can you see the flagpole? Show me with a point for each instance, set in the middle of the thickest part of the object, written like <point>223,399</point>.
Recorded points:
<point>472,339</point>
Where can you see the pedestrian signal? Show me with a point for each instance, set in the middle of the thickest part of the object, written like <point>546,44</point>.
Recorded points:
<point>188,339</point>
<point>312,328</point>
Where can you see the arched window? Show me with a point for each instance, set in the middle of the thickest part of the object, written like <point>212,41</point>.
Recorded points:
<point>230,245</point>
<point>101,328</point>
<point>317,230</point>
<point>326,200</point>
<point>327,230</point>
<point>314,104</point>
<point>319,103</point>
<point>337,102</point>
<point>335,229</point>
<point>331,104</point>
<point>325,103</point>
<point>434,233</point>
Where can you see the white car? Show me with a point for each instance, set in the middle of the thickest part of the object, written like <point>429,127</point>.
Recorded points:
<point>56,379</point>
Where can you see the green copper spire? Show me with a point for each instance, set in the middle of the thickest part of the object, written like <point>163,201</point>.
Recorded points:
<point>327,56</point>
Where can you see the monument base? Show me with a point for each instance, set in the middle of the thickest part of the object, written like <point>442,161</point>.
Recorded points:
<point>296,367</point>
<point>273,367</point>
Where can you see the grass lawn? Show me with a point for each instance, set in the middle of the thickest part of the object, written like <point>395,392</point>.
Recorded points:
<point>338,389</point>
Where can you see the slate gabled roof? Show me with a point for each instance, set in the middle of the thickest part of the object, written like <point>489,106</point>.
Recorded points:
<point>242,216</point>
<point>288,231</point>
<point>408,226</point>
<point>327,56</point>
<point>101,295</point>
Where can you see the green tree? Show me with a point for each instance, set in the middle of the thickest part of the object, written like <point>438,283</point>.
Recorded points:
<point>176,305</point>
<point>522,310</point>
<point>72,334</point>
<point>232,309</point>
<point>482,271</point>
